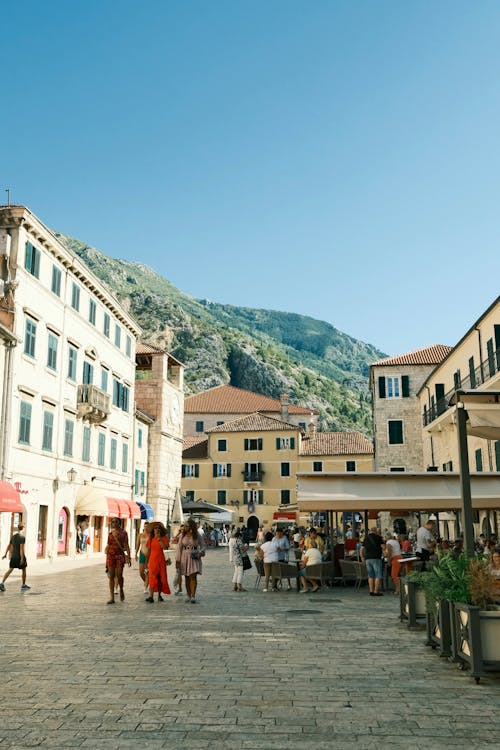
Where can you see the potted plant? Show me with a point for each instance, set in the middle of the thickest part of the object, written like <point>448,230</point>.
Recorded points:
<point>412,605</point>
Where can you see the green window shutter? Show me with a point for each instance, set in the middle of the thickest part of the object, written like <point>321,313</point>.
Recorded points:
<point>259,444</point>
<point>497,455</point>
<point>479,460</point>
<point>278,444</point>
<point>214,470</point>
<point>381,386</point>
<point>292,443</point>
<point>228,470</point>
<point>261,497</point>
<point>183,470</point>
<point>405,384</point>
<point>197,470</point>
<point>245,497</point>
<point>246,444</point>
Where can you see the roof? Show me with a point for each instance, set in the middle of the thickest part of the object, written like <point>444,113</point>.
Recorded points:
<point>227,399</point>
<point>254,423</point>
<point>195,447</point>
<point>335,444</point>
<point>429,355</point>
<point>144,348</point>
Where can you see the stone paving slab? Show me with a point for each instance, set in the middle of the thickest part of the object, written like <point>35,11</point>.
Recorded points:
<point>237,670</point>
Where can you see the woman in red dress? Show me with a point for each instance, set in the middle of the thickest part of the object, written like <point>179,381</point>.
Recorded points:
<point>155,560</point>
<point>117,554</point>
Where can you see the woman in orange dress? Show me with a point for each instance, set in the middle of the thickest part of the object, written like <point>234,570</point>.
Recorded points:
<point>155,560</point>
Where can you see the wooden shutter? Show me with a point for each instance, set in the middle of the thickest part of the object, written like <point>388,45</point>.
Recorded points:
<point>292,443</point>
<point>278,444</point>
<point>259,444</point>
<point>261,497</point>
<point>183,470</point>
<point>405,384</point>
<point>497,454</point>
<point>228,470</point>
<point>381,386</point>
<point>245,497</point>
<point>246,444</point>
<point>197,470</point>
<point>214,470</point>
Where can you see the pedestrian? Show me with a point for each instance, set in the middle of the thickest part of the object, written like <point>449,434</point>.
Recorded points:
<point>393,554</point>
<point>157,564</point>
<point>141,550</point>
<point>190,550</point>
<point>237,548</point>
<point>371,554</point>
<point>269,554</point>
<point>117,555</point>
<point>17,558</point>
<point>283,544</point>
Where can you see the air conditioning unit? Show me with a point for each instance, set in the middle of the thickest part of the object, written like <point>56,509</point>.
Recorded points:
<point>5,240</point>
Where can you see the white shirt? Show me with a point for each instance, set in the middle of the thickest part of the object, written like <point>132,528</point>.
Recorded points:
<point>394,545</point>
<point>423,537</point>
<point>270,551</point>
<point>312,556</point>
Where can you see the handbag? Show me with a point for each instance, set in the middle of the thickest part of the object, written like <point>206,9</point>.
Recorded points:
<point>247,563</point>
<point>195,555</point>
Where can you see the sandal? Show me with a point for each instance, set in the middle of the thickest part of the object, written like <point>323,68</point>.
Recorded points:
<point>111,601</point>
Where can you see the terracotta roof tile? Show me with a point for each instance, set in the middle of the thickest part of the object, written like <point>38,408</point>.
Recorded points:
<point>195,447</point>
<point>253,423</point>
<point>429,355</point>
<point>226,399</point>
<point>335,444</point>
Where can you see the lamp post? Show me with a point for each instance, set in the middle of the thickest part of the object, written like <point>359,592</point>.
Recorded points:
<point>71,475</point>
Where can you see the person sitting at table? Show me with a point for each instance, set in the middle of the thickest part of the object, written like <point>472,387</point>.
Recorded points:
<point>312,556</point>
<point>313,537</point>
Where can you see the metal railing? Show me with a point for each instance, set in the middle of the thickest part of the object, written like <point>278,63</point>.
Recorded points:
<point>480,375</point>
<point>253,476</point>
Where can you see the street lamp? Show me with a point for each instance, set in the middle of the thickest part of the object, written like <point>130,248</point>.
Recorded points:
<point>478,414</point>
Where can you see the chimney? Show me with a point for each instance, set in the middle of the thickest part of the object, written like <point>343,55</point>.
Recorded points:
<point>284,406</point>
<point>311,428</point>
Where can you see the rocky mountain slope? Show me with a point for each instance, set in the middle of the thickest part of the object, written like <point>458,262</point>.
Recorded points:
<point>261,350</point>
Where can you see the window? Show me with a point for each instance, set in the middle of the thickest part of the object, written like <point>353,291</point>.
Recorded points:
<point>479,460</point>
<point>317,465</point>
<point>287,443</point>
<point>120,395</point>
<point>125,457</point>
<point>75,296</point>
<point>143,483</point>
<point>189,495</point>
<point>106,325</point>
<point>112,456</point>
<point>86,444</point>
<point>24,423</point>
<point>302,425</point>
<point>118,336</point>
<point>285,497</point>
<point>394,386</point>
<point>221,497</point>
<point>219,422</point>
<point>48,430</point>
<point>253,472</point>
<point>253,496</point>
<point>101,449</point>
<point>52,352</point>
<point>69,427</point>
<point>199,426</point>
<point>72,359</point>
<point>190,470</point>
<point>139,438</point>
<point>497,455</point>
<point>350,465</point>
<point>30,337</point>
<point>128,346</point>
<point>253,444</point>
<point>92,311</point>
<point>221,470</point>
<point>448,466</point>
<point>397,468</point>
<point>137,475</point>
<point>285,469</point>
<point>395,429</point>
<point>32,260</point>
<point>88,373</point>
<point>222,445</point>
<point>104,379</point>
<point>56,280</point>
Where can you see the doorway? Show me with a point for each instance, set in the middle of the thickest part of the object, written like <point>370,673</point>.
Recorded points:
<point>62,531</point>
<point>253,527</point>
<point>41,543</point>
<point>98,533</point>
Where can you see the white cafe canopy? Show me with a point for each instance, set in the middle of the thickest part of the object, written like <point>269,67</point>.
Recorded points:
<point>391,491</point>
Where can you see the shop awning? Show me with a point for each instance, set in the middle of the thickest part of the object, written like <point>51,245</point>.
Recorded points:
<point>281,516</point>
<point>146,511</point>
<point>121,508</point>
<point>133,508</point>
<point>10,499</point>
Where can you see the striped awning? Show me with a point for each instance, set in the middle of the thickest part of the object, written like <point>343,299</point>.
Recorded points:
<point>10,499</point>
<point>146,511</point>
<point>120,508</point>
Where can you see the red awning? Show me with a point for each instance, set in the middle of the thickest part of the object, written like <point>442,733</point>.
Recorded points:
<point>284,516</point>
<point>134,510</point>
<point>118,507</point>
<point>10,499</point>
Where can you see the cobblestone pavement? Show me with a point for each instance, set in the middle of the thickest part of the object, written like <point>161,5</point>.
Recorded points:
<point>334,669</point>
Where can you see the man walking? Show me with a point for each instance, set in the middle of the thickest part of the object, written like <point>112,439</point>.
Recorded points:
<point>17,558</point>
<point>371,554</point>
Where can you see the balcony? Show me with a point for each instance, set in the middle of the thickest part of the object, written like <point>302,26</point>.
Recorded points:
<point>253,477</point>
<point>93,404</point>
<point>487,372</point>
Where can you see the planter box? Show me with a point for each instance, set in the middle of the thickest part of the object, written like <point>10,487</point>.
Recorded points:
<point>439,627</point>
<point>411,603</point>
<point>476,638</point>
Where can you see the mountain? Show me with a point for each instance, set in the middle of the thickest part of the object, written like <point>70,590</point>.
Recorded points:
<point>261,350</point>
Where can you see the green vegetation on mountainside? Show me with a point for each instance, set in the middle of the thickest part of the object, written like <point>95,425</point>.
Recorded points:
<point>260,350</point>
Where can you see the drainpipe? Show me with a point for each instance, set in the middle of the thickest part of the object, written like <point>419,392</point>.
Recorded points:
<point>5,415</point>
<point>480,353</point>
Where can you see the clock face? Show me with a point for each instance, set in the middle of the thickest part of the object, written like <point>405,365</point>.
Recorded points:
<point>174,409</point>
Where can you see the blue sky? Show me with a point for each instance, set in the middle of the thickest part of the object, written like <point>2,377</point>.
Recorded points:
<point>337,159</point>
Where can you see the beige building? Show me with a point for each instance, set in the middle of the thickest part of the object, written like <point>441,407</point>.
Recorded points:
<point>250,466</point>
<point>225,403</point>
<point>395,383</point>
